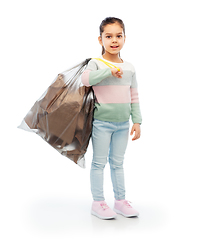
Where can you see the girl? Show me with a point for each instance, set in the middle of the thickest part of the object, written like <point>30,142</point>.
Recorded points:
<point>116,99</point>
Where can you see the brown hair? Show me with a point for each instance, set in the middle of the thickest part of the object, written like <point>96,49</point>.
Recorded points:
<point>110,20</point>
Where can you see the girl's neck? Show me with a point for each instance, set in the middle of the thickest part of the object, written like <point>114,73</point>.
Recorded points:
<point>112,57</point>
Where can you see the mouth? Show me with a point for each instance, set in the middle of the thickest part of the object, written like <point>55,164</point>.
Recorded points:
<point>114,47</point>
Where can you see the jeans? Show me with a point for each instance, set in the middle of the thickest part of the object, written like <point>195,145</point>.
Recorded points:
<point>109,140</point>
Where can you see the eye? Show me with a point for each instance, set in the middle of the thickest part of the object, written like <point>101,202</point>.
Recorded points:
<point>119,36</point>
<point>108,36</point>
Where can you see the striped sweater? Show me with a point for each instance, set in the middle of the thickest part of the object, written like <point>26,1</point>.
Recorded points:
<point>116,98</point>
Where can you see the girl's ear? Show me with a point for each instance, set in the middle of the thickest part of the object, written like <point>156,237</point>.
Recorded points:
<point>100,40</point>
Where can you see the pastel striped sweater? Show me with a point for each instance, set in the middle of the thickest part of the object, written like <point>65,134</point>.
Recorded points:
<point>116,98</point>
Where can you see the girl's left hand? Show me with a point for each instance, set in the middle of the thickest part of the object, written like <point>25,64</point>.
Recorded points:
<point>136,129</point>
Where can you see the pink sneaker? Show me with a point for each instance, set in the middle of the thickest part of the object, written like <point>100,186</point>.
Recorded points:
<point>101,210</point>
<point>124,208</point>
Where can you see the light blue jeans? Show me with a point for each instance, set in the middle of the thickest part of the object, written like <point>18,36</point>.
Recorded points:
<point>109,140</point>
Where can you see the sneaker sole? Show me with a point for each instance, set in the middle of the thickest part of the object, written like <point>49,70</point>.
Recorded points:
<point>101,217</point>
<point>121,213</point>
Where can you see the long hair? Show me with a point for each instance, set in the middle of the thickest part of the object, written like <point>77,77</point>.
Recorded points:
<point>110,20</point>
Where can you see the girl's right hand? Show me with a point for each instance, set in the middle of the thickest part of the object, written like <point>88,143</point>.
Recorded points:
<point>116,73</point>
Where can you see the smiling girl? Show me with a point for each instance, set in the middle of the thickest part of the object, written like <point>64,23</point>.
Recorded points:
<point>116,100</point>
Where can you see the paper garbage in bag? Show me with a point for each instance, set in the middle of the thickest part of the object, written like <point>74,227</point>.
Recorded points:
<point>63,115</point>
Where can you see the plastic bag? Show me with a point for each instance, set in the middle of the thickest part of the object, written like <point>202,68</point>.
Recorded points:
<point>63,115</point>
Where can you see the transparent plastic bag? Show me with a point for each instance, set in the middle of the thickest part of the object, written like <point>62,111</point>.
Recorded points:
<point>63,115</point>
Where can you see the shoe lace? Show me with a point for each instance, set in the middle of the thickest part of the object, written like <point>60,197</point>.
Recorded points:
<point>104,206</point>
<point>127,203</point>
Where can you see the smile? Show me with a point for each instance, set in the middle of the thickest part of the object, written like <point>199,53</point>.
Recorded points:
<point>114,46</point>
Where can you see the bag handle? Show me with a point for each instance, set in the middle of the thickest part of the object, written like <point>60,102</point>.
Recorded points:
<point>107,63</point>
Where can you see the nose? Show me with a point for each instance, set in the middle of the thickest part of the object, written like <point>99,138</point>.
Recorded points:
<point>114,39</point>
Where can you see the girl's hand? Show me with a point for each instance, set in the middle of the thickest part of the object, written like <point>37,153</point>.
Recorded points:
<point>117,73</point>
<point>136,129</point>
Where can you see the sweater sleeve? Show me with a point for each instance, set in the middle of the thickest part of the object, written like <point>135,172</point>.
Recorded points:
<point>91,76</point>
<point>135,106</point>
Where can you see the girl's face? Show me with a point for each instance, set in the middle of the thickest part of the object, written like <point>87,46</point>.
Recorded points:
<point>113,38</point>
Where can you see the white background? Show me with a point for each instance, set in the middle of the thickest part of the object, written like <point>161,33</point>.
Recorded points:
<point>45,195</point>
